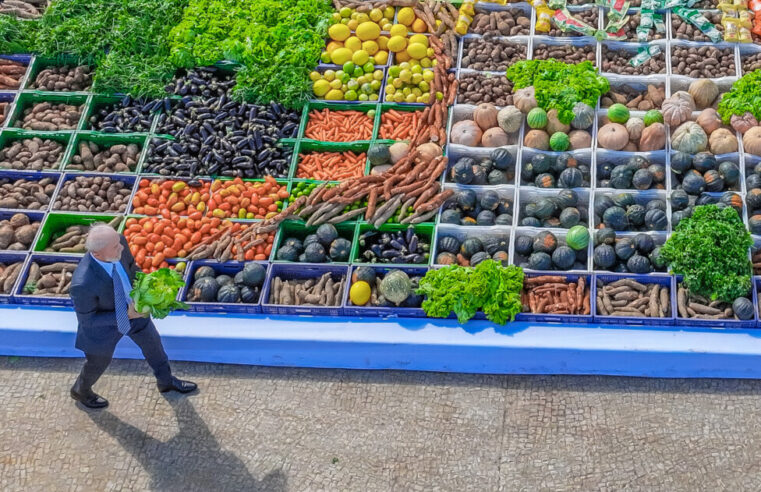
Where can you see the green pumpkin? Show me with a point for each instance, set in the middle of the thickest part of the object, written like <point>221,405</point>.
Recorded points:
<point>537,118</point>
<point>618,113</point>
<point>396,286</point>
<point>583,116</point>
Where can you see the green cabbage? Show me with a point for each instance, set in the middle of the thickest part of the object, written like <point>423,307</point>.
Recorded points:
<point>156,293</point>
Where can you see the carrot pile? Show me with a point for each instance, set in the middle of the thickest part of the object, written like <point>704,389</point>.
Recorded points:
<point>338,126</point>
<point>153,240</point>
<point>331,166</point>
<point>399,125</point>
<point>233,198</point>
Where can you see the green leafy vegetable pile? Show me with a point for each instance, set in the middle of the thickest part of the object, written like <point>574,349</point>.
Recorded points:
<point>559,85</point>
<point>277,42</point>
<point>488,286</point>
<point>125,39</point>
<point>711,250</point>
<point>744,97</point>
<point>156,293</point>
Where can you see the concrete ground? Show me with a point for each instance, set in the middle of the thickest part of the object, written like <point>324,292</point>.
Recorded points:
<point>273,429</point>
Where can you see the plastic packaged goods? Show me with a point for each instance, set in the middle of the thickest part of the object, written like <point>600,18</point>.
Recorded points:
<point>696,19</point>
<point>567,22</point>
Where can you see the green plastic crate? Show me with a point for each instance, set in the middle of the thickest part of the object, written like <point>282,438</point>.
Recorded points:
<point>422,230</point>
<point>311,146</point>
<point>28,98</point>
<point>100,100</point>
<point>104,140</point>
<point>56,223</point>
<point>10,135</point>
<point>298,230</point>
<point>336,106</point>
<point>40,63</point>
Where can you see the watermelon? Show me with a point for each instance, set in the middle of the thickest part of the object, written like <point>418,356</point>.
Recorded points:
<point>577,238</point>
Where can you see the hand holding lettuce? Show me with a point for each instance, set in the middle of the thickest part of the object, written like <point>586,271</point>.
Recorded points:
<point>156,293</point>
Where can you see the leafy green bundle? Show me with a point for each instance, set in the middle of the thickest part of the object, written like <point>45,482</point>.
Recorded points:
<point>125,39</point>
<point>744,97</point>
<point>277,42</point>
<point>488,286</point>
<point>711,250</point>
<point>156,293</point>
<point>559,85</point>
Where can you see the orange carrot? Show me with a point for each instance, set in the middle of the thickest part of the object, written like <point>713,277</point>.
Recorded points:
<point>331,166</point>
<point>338,126</point>
<point>398,125</point>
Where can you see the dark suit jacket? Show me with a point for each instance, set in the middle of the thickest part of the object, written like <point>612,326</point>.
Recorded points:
<point>92,292</point>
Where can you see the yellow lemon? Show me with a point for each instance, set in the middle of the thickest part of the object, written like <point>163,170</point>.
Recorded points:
<point>339,32</point>
<point>360,293</point>
<point>402,56</point>
<point>398,30</point>
<point>406,16</point>
<point>381,57</point>
<point>371,47</point>
<point>334,45</point>
<point>345,12</point>
<point>385,26</point>
<point>388,12</point>
<point>368,30</point>
<point>382,42</point>
<point>340,56</point>
<point>419,26</point>
<point>362,17</point>
<point>397,44</point>
<point>334,95</point>
<point>360,57</point>
<point>376,15</point>
<point>336,84</point>
<point>416,50</point>
<point>314,76</point>
<point>353,43</point>
<point>419,38</point>
<point>352,24</point>
<point>320,87</point>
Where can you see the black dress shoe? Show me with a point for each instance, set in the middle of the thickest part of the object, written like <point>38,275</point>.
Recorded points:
<point>90,400</point>
<point>178,385</point>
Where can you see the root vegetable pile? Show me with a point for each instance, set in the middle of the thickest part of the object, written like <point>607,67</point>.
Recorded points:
<point>93,194</point>
<point>325,291</point>
<point>399,125</point>
<point>18,232</point>
<point>551,294</point>
<point>72,238</point>
<point>9,272</point>
<point>692,305</point>
<point>11,73</point>
<point>26,194</point>
<point>32,154</point>
<point>118,158</point>
<point>64,78</point>
<point>49,116</point>
<point>23,9</point>
<point>338,126</point>
<point>49,280</point>
<point>331,165</point>
<point>627,297</point>
<point>513,22</point>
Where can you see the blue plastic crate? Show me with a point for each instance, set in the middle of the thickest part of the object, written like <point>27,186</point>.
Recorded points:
<point>34,216</point>
<point>667,281</point>
<point>42,259</point>
<point>230,268</point>
<point>31,176</point>
<point>383,312</point>
<point>10,257</point>
<point>564,318</point>
<point>719,323</point>
<point>303,271</point>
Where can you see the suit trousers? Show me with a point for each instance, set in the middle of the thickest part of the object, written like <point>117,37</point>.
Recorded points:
<point>145,335</point>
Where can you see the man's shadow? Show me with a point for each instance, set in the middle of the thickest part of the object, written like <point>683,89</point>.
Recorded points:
<point>190,460</point>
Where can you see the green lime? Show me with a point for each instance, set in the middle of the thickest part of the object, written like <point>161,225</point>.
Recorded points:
<point>368,67</point>
<point>358,72</point>
<point>350,95</point>
<point>352,85</point>
<point>394,71</point>
<point>371,114</point>
<point>375,85</point>
<point>348,67</point>
<point>363,97</point>
<point>325,57</point>
<point>345,78</point>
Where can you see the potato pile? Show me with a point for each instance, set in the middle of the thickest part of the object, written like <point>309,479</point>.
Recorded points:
<point>706,61</point>
<point>492,53</point>
<point>65,78</point>
<point>47,116</point>
<point>627,297</point>
<point>18,232</point>
<point>567,53</point>
<point>511,22</point>
<point>93,194</point>
<point>9,272</point>
<point>32,154</point>
<point>617,61</point>
<point>26,194</point>
<point>52,280</point>
<point>11,73</point>
<point>118,158</point>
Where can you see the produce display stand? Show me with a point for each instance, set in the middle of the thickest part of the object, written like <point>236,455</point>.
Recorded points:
<point>348,336</point>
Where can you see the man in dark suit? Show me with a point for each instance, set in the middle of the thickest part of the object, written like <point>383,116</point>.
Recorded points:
<point>100,289</point>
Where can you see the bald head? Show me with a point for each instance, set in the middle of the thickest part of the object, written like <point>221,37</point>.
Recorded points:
<point>103,243</point>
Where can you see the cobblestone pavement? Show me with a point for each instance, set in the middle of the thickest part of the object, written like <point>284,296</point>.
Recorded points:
<point>272,429</point>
